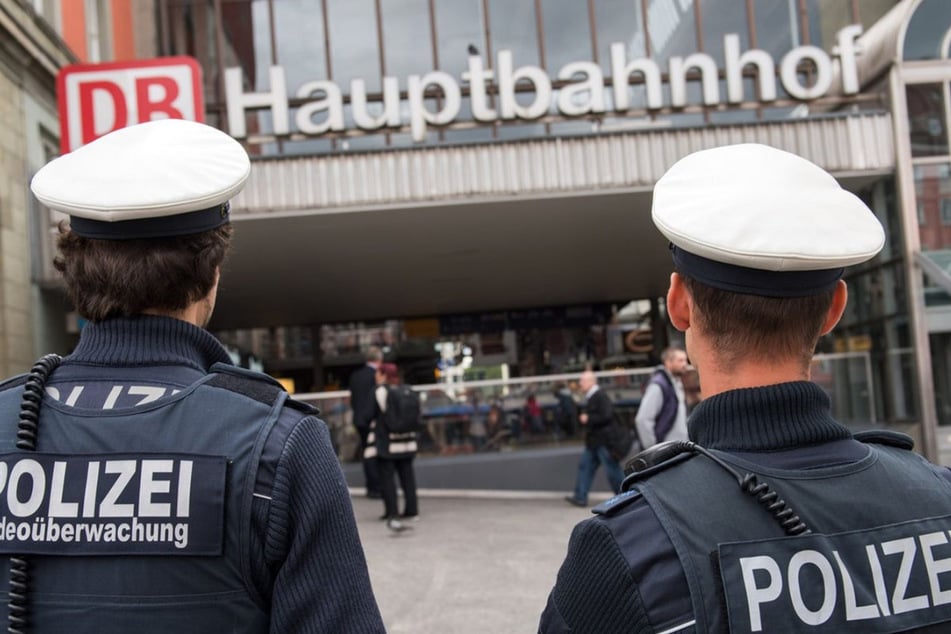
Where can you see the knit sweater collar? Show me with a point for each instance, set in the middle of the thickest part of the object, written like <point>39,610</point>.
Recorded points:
<point>147,340</point>
<point>771,418</point>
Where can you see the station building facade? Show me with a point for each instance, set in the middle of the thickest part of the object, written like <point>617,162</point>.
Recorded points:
<point>479,171</point>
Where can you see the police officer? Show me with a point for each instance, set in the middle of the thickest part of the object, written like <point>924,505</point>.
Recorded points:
<point>773,517</point>
<point>156,487</point>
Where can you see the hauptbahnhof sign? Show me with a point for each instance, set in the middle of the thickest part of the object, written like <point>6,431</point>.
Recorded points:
<point>583,93</point>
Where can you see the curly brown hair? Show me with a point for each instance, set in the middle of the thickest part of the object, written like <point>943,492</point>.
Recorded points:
<point>122,278</point>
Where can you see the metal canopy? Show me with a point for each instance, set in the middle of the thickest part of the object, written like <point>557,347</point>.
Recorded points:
<point>440,230</point>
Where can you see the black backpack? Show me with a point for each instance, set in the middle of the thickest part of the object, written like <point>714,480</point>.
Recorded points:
<point>402,409</point>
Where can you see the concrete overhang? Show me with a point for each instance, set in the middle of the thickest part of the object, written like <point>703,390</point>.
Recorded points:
<point>441,230</point>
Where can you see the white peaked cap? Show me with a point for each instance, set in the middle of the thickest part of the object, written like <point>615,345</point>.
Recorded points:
<point>156,179</point>
<point>739,217</point>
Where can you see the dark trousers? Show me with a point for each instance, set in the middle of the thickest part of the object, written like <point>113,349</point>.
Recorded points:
<point>371,472</point>
<point>389,469</point>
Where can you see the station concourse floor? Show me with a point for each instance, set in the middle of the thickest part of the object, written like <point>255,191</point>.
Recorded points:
<point>475,562</point>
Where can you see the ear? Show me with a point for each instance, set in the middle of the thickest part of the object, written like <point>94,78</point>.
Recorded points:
<point>840,298</point>
<point>679,303</point>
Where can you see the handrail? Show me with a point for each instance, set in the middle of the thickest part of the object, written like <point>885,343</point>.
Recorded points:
<point>463,386</point>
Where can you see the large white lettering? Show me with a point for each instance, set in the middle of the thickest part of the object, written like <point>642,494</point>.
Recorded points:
<point>757,595</point>
<point>907,548</point>
<point>796,564</point>
<point>34,471</point>
<point>130,488</point>
<point>821,586</point>
<point>582,94</point>
<point>853,611</point>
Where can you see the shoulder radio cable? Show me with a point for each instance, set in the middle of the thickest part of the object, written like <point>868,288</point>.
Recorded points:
<point>27,429</point>
<point>749,483</point>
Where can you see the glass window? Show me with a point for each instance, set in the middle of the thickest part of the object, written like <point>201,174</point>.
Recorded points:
<point>926,31</point>
<point>361,143</point>
<point>480,131</point>
<point>299,42</point>
<point>721,17</point>
<point>459,32</point>
<point>191,33</point>
<point>671,29</point>
<point>622,22</point>
<point>567,33</point>
<point>619,21</point>
<point>777,32</point>
<point>246,33</point>
<point>935,294</point>
<point>513,28</point>
<point>828,18</point>
<point>933,191</point>
<point>926,119</point>
<point>407,41</point>
<point>520,130</point>
<point>880,198</point>
<point>777,27</point>
<point>354,53</point>
<point>306,147</point>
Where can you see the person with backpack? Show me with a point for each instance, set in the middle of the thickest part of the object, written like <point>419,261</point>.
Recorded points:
<point>392,441</point>
<point>662,414</point>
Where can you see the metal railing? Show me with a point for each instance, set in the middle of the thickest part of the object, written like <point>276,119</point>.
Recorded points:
<point>472,416</point>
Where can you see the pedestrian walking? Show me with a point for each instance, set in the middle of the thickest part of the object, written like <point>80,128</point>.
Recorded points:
<point>597,418</point>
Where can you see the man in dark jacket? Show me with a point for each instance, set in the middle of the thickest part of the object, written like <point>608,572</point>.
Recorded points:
<point>774,517</point>
<point>598,422</point>
<point>362,389</point>
<point>186,495</point>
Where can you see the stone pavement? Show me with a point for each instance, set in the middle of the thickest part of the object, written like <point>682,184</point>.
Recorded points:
<point>474,563</point>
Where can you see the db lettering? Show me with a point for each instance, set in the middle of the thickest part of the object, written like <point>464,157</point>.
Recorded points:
<point>96,99</point>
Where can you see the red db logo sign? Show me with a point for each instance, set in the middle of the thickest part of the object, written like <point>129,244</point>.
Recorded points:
<point>95,99</point>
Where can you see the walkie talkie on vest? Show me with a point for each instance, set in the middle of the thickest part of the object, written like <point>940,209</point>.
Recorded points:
<point>749,482</point>
<point>27,429</point>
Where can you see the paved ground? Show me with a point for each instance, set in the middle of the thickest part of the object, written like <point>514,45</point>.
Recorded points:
<point>471,564</point>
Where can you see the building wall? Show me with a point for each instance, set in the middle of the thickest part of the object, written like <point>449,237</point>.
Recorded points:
<point>30,55</point>
<point>16,342</point>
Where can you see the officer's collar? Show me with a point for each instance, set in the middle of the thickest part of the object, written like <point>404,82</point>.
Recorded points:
<point>781,416</point>
<point>147,340</point>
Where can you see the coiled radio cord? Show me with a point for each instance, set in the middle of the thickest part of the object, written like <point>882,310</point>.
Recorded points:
<point>27,428</point>
<point>749,482</point>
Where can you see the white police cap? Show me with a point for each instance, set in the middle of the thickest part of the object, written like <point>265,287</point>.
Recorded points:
<point>158,179</point>
<point>752,219</point>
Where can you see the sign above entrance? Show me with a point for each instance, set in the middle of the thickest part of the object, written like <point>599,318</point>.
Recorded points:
<point>585,90</point>
<point>95,99</point>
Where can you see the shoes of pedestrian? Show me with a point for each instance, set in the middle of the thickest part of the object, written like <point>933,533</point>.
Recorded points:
<point>395,525</point>
<point>570,499</point>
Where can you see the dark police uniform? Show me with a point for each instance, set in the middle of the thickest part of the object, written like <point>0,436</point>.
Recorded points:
<point>216,503</point>
<point>166,490</point>
<point>773,517</point>
<point>667,557</point>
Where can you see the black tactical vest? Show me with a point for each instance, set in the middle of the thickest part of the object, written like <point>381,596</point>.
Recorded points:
<point>877,559</point>
<point>138,519</point>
